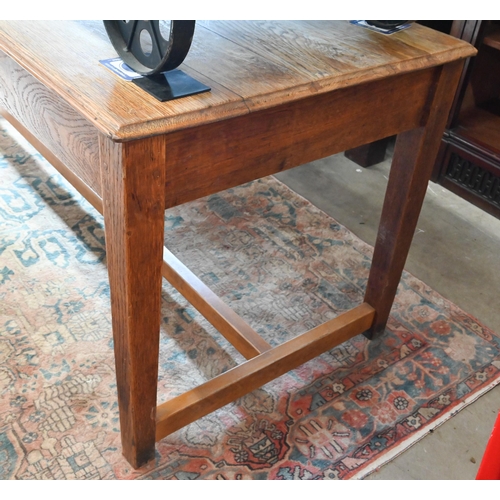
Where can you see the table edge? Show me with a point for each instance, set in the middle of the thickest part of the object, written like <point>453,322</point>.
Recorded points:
<point>141,130</point>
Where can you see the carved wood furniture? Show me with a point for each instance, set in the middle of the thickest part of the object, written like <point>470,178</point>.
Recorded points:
<point>469,159</point>
<point>283,94</point>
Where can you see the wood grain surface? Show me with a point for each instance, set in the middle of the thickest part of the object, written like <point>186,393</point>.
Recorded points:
<point>133,223</point>
<point>88,193</point>
<point>210,158</point>
<point>250,66</point>
<point>69,136</point>
<point>412,164</point>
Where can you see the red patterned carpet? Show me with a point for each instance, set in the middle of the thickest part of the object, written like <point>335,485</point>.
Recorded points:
<point>285,267</point>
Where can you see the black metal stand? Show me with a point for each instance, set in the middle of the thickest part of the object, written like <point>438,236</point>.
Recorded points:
<point>171,85</point>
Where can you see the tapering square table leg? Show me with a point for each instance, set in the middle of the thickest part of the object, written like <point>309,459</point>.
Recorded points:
<point>133,182</point>
<point>412,164</point>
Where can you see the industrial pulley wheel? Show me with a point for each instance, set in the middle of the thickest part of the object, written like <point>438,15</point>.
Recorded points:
<point>386,25</point>
<point>151,47</point>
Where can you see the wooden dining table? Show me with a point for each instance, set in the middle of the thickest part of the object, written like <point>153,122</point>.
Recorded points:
<point>282,94</point>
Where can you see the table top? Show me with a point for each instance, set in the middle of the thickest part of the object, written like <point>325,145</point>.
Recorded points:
<point>250,66</point>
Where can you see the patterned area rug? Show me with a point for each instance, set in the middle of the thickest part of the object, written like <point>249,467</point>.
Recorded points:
<point>285,267</point>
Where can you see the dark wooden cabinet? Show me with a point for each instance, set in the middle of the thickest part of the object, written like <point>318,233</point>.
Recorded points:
<point>469,160</point>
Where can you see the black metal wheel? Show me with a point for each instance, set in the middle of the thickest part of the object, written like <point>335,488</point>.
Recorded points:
<point>151,47</point>
<point>386,24</point>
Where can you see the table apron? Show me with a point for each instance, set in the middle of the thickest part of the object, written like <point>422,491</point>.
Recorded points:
<point>214,157</point>
<point>210,158</point>
<point>72,139</point>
